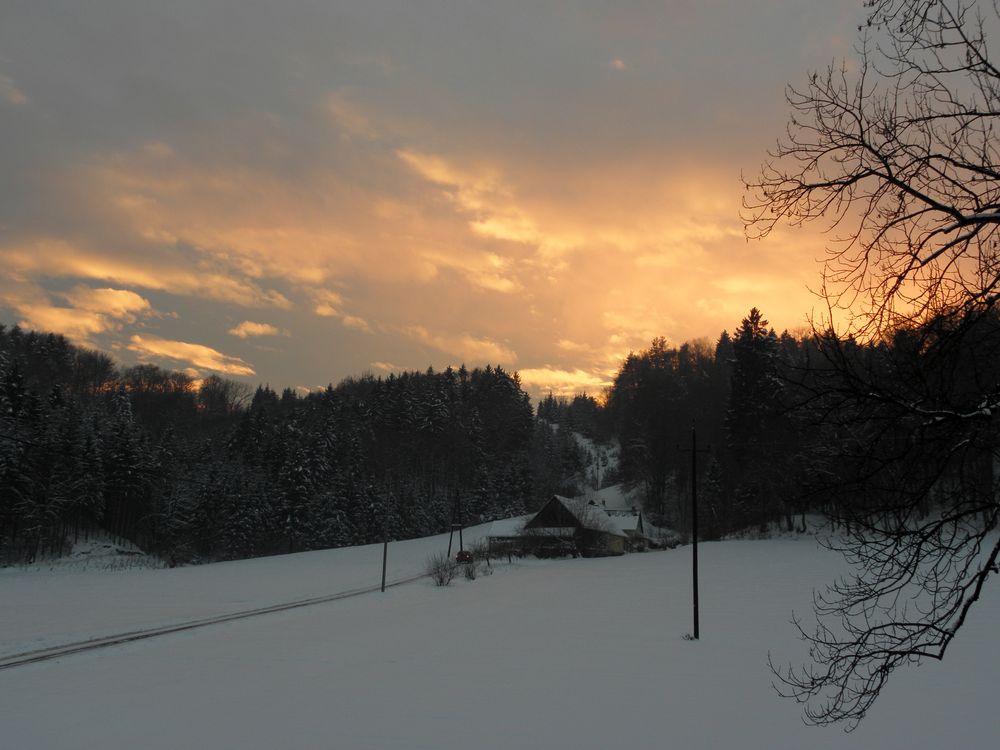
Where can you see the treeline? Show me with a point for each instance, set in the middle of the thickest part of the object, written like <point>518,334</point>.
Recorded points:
<point>202,470</point>
<point>209,470</point>
<point>735,393</point>
<point>812,423</point>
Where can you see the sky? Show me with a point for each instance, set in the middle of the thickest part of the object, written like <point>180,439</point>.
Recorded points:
<point>293,193</point>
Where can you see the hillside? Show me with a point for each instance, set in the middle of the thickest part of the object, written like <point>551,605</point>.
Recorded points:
<point>583,653</point>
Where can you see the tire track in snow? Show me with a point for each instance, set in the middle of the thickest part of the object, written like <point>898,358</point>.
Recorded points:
<point>68,649</point>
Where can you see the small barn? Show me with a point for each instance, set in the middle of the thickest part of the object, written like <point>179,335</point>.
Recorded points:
<point>583,526</point>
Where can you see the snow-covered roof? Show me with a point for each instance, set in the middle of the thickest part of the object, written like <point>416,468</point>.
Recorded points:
<point>614,497</point>
<point>593,515</point>
<point>623,522</point>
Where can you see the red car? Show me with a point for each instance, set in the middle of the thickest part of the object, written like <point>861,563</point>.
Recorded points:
<point>464,556</point>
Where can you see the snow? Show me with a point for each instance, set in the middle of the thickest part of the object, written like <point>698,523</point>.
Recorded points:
<point>603,457</point>
<point>582,653</point>
<point>621,523</point>
<point>506,527</point>
<point>100,553</point>
<point>614,497</point>
<point>46,606</point>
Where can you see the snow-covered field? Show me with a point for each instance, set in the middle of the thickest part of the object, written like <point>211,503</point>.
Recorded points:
<point>542,654</point>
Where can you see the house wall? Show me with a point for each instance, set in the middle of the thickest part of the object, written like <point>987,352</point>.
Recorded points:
<point>599,543</point>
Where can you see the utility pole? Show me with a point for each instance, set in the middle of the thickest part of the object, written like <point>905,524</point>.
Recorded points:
<point>456,523</point>
<point>385,535</point>
<point>694,522</point>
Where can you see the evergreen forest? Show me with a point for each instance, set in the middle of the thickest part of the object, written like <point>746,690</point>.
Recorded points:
<point>205,470</point>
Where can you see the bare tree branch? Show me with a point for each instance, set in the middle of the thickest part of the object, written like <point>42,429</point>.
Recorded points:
<point>896,154</point>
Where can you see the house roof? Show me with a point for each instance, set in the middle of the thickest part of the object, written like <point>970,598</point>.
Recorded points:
<point>623,522</point>
<point>614,498</point>
<point>589,514</point>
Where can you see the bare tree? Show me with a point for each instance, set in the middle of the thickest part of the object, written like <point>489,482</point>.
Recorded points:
<point>221,397</point>
<point>897,152</point>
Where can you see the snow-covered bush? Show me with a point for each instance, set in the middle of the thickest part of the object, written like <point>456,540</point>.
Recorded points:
<point>441,569</point>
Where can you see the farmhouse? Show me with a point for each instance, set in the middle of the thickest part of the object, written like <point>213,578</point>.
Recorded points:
<point>582,525</point>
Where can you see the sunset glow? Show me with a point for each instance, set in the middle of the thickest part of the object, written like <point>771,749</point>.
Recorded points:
<point>343,187</point>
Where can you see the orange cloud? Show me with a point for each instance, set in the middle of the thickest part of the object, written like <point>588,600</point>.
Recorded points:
<point>483,270</point>
<point>611,255</point>
<point>248,328</point>
<point>480,193</point>
<point>57,257</point>
<point>501,256</point>
<point>77,325</point>
<point>91,311</point>
<point>327,303</point>
<point>663,222</point>
<point>358,324</point>
<point>572,346</point>
<point>464,346</point>
<point>308,228</point>
<point>198,355</point>
<point>120,304</point>
<point>564,382</point>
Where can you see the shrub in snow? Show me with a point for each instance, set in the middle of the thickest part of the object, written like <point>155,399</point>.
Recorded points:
<point>481,550</point>
<point>470,570</point>
<point>441,569</point>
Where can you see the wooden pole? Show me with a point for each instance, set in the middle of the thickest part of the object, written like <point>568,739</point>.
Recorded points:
<point>451,532</point>
<point>385,538</point>
<point>385,558</point>
<point>694,525</point>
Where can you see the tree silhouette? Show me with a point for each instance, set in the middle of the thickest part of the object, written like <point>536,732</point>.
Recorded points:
<point>898,156</point>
